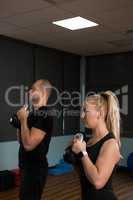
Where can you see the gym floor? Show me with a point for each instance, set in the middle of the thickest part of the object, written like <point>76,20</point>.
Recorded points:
<point>66,187</point>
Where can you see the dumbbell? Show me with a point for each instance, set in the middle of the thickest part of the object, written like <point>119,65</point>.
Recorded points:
<point>14,121</point>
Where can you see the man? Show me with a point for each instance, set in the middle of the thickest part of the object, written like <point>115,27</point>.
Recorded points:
<point>35,136</point>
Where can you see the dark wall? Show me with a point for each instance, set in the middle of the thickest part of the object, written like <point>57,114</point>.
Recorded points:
<point>16,69</point>
<point>71,85</point>
<point>20,65</point>
<point>114,72</point>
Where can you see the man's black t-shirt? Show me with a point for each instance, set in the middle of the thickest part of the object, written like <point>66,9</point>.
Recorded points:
<point>37,158</point>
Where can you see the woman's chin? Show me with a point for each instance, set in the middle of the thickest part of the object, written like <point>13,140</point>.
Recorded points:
<point>86,126</point>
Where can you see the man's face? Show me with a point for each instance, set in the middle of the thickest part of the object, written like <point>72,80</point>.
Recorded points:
<point>36,93</point>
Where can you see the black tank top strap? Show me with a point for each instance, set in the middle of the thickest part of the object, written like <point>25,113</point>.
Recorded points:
<point>95,148</point>
<point>110,135</point>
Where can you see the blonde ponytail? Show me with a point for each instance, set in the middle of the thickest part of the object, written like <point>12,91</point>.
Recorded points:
<point>113,114</point>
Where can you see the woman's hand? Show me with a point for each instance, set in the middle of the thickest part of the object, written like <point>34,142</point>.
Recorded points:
<point>78,146</point>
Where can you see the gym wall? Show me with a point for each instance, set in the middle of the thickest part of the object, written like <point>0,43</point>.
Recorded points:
<point>16,69</point>
<point>114,72</point>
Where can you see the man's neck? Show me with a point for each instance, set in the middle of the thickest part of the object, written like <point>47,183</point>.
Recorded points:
<point>36,107</point>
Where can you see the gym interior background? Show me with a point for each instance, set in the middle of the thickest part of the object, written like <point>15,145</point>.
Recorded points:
<point>91,59</point>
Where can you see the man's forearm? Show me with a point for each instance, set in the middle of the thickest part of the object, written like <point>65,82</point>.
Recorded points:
<point>25,133</point>
<point>18,135</point>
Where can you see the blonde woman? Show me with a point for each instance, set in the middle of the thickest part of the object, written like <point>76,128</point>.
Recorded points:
<point>101,153</point>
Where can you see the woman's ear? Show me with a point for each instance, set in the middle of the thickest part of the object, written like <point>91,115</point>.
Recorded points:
<point>98,114</point>
<point>101,114</point>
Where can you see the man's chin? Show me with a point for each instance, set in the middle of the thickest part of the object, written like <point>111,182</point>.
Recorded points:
<point>35,104</point>
<point>35,100</point>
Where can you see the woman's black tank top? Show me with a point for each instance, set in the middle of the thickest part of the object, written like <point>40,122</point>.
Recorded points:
<point>89,192</point>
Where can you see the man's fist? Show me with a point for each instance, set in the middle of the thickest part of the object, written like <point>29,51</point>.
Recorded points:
<point>22,114</point>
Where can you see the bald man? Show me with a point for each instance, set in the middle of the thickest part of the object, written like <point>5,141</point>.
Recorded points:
<point>35,136</point>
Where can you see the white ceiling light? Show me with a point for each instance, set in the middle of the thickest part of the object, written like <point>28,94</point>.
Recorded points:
<point>75,23</point>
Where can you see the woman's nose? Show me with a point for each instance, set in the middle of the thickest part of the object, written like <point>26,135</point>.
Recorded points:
<point>82,115</point>
<point>30,91</point>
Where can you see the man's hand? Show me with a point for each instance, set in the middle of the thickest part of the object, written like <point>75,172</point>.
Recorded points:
<point>22,114</point>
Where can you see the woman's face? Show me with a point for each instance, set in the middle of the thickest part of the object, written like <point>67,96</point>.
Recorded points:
<point>90,115</point>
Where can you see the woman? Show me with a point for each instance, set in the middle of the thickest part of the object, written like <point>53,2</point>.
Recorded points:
<point>101,153</point>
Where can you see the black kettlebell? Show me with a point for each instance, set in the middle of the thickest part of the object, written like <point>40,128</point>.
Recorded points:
<point>69,156</point>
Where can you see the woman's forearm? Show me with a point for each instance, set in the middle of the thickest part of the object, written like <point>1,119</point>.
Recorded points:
<point>90,170</point>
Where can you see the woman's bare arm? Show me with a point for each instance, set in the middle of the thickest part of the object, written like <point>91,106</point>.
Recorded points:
<point>99,173</point>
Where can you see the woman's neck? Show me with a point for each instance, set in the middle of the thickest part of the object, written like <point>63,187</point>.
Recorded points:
<point>100,131</point>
